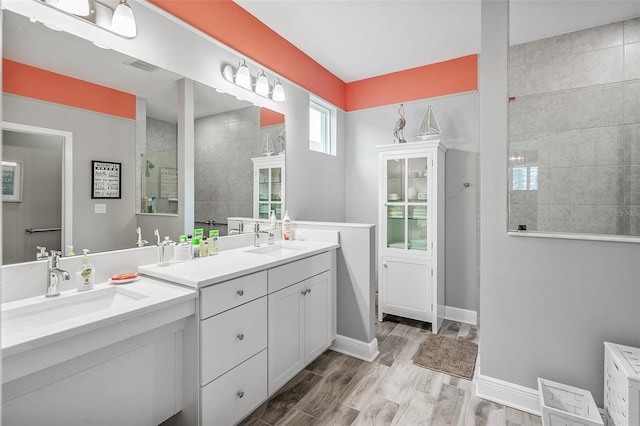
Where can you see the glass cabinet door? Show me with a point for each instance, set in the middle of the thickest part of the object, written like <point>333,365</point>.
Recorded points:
<point>417,197</point>
<point>276,191</point>
<point>407,215</point>
<point>270,192</point>
<point>396,203</point>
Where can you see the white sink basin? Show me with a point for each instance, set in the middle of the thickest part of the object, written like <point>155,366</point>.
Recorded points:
<point>275,250</point>
<point>48,311</point>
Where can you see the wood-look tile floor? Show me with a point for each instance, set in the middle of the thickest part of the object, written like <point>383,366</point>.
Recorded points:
<point>337,389</point>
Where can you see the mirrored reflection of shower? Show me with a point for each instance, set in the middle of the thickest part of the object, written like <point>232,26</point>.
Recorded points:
<point>148,168</point>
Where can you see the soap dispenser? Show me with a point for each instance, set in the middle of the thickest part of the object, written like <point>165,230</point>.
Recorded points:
<point>86,273</point>
<point>286,226</point>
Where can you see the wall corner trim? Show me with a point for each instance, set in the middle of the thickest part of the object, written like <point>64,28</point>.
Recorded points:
<point>356,348</point>
<point>509,394</point>
<point>461,315</point>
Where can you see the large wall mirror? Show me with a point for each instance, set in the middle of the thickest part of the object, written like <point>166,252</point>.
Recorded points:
<point>143,140</point>
<point>574,117</point>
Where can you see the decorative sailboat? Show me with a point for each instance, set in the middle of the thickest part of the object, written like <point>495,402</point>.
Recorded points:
<point>267,145</point>
<point>429,127</point>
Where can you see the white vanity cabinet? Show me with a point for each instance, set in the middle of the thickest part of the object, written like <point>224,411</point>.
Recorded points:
<point>259,330</point>
<point>233,343</point>
<point>411,231</point>
<point>301,316</point>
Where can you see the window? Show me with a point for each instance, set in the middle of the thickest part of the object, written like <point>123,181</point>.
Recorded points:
<point>524,178</point>
<point>322,117</point>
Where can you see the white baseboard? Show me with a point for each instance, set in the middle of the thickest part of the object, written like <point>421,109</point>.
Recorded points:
<point>461,315</point>
<point>509,394</point>
<point>356,348</point>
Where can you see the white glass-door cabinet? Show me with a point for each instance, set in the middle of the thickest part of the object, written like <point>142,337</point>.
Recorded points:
<point>268,186</point>
<point>411,231</point>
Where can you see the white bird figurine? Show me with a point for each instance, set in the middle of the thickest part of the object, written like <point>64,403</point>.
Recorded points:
<point>397,131</point>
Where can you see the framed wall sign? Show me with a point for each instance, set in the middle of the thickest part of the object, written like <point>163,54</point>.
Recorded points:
<point>106,179</point>
<point>12,181</point>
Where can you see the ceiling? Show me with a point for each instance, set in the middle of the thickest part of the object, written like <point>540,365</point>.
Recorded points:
<point>357,39</point>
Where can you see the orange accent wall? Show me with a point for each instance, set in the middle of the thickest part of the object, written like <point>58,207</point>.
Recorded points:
<point>270,118</point>
<point>25,80</point>
<point>234,26</point>
<point>442,78</point>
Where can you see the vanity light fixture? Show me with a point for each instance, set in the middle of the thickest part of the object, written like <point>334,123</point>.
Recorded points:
<point>242,78</point>
<point>120,20</point>
<point>123,21</point>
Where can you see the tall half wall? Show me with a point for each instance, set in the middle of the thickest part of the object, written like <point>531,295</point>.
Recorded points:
<point>548,305</point>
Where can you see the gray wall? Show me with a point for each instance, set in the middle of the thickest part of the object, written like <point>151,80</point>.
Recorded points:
<point>576,117</point>
<point>41,205</point>
<point>547,304</point>
<point>224,146</point>
<point>311,190</point>
<point>95,137</point>
<point>457,116</point>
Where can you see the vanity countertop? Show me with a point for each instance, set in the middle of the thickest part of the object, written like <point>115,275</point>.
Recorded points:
<point>37,321</point>
<point>229,264</point>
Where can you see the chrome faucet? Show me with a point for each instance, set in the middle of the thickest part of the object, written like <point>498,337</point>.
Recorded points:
<point>239,230</point>
<point>256,235</point>
<point>55,274</point>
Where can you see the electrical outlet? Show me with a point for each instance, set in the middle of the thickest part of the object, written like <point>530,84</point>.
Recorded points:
<point>100,208</point>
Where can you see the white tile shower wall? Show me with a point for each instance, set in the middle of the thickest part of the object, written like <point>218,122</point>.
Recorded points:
<point>224,146</point>
<point>575,118</point>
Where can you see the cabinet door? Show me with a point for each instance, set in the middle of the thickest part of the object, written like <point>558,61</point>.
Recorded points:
<point>286,335</point>
<point>276,192</point>
<point>407,190</point>
<point>407,288</point>
<point>317,315</point>
<point>264,192</point>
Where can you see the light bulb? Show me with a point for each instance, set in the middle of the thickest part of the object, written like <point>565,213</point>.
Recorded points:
<point>278,92</point>
<point>227,73</point>
<point>123,22</point>
<point>262,84</point>
<point>243,77</point>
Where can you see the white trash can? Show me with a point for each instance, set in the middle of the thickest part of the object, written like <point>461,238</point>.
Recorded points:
<point>564,405</point>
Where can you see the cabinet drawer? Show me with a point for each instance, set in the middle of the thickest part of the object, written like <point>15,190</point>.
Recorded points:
<point>221,297</point>
<point>285,275</point>
<point>232,337</point>
<point>237,393</point>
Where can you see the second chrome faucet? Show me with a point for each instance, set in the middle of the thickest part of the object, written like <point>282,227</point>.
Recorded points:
<point>55,274</point>
<point>257,232</point>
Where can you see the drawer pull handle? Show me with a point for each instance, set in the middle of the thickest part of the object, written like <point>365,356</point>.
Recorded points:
<point>304,292</point>
<point>240,394</point>
<point>308,290</point>
<point>240,292</point>
<point>240,337</point>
